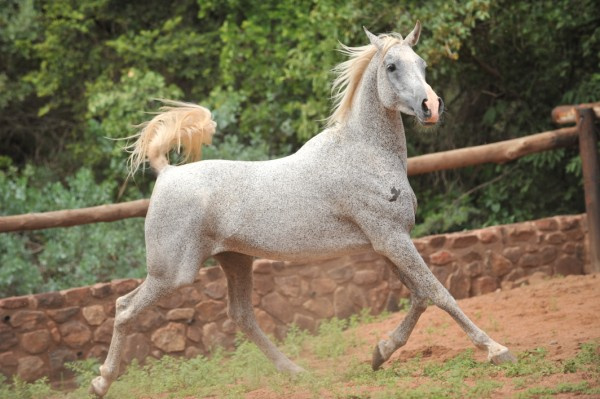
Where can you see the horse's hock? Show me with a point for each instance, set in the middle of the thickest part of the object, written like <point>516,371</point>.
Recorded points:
<point>39,333</point>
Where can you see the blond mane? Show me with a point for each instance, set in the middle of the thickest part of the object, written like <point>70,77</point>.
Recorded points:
<point>350,73</point>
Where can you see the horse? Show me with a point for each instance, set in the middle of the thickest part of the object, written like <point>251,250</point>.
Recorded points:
<point>345,191</point>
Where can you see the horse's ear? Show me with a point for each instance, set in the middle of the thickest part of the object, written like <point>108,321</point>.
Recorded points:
<point>413,36</point>
<point>375,41</point>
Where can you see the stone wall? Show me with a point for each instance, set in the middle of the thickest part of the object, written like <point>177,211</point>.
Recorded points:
<point>39,333</point>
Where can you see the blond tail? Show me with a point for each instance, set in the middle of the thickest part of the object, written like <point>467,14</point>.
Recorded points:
<point>181,126</point>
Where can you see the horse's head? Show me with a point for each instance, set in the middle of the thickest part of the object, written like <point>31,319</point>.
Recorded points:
<point>401,81</point>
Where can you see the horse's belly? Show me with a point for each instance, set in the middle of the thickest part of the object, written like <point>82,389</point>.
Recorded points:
<point>298,239</point>
<point>265,209</point>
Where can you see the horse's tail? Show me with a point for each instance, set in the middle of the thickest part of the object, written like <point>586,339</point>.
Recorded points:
<point>180,126</point>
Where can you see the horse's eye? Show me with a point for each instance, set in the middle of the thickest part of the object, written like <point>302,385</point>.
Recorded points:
<point>391,67</point>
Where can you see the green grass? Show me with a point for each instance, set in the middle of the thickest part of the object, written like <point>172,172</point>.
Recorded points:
<point>581,387</point>
<point>20,389</point>
<point>532,363</point>
<point>334,372</point>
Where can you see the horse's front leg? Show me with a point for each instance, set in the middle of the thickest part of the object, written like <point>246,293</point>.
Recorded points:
<point>399,336</point>
<point>412,270</point>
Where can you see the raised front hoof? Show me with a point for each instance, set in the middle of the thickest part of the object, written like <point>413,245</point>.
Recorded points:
<point>99,387</point>
<point>378,359</point>
<point>502,356</point>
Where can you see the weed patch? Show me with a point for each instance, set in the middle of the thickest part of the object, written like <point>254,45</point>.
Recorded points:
<point>582,387</point>
<point>531,363</point>
<point>331,342</point>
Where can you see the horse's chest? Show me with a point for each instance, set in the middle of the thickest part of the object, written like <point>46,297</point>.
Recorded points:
<point>392,198</point>
<point>403,195</point>
<point>394,187</point>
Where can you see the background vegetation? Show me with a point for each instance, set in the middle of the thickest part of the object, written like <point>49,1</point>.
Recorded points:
<point>74,74</point>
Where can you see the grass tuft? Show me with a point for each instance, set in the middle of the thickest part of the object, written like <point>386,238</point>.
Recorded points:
<point>531,363</point>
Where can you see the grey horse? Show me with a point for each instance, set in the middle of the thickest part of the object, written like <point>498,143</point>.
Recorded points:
<point>345,191</point>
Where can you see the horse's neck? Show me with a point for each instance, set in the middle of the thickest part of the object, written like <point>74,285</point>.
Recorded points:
<point>369,121</point>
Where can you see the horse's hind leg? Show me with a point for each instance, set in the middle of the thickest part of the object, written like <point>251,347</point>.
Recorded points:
<point>128,307</point>
<point>238,269</point>
<point>413,271</point>
<point>160,282</point>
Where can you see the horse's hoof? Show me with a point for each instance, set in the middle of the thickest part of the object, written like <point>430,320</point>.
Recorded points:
<point>296,370</point>
<point>290,368</point>
<point>502,356</point>
<point>378,359</point>
<point>99,387</point>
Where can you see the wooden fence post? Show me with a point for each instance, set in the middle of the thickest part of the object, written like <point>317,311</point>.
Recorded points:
<point>588,149</point>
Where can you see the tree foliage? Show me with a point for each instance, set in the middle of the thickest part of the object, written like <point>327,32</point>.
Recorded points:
<point>74,75</point>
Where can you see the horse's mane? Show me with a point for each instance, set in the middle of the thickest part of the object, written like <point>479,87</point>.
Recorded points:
<point>350,72</point>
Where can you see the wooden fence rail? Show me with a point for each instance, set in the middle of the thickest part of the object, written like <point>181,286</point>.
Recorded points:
<point>564,114</point>
<point>73,217</point>
<point>584,115</point>
<point>500,152</point>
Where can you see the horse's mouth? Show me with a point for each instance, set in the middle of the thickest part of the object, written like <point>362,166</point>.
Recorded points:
<point>427,123</point>
<point>430,116</point>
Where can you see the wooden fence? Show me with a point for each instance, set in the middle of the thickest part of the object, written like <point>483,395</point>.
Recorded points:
<point>583,115</point>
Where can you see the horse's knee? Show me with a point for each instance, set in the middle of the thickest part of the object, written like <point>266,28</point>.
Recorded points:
<point>121,304</point>
<point>121,322</point>
<point>124,319</point>
<point>121,313</point>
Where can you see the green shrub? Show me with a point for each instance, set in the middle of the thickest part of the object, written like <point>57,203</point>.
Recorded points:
<point>59,258</point>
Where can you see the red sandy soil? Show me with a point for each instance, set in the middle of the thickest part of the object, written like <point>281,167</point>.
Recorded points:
<point>557,314</point>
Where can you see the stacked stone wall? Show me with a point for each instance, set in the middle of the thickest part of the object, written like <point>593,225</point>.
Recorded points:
<point>40,333</point>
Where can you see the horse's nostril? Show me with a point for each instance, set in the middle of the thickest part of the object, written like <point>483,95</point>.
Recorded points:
<point>424,106</point>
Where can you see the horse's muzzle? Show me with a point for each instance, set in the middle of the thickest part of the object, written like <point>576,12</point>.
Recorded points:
<point>431,107</point>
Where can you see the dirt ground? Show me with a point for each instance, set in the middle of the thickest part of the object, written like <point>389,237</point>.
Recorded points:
<point>557,314</point>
